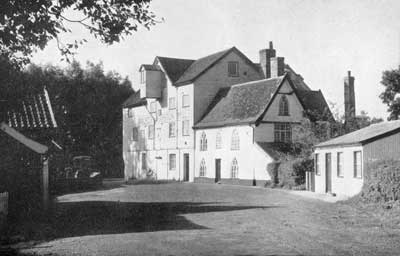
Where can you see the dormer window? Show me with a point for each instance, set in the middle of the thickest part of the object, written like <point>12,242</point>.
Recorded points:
<point>233,68</point>
<point>284,106</point>
<point>142,76</point>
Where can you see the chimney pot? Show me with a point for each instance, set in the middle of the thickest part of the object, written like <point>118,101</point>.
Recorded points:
<point>349,73</point>
<point>271,46</point>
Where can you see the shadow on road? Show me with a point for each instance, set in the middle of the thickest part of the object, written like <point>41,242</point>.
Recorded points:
<point>71,219</point>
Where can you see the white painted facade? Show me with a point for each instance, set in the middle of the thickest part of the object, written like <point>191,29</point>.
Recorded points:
<point>346,184</point>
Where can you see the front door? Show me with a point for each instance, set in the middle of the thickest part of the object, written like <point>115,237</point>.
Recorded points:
<point>328,172</point>
<point>185,167</point>
<point>217,170</point>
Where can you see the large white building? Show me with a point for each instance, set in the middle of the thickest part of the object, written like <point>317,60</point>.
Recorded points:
<point>214,119</point>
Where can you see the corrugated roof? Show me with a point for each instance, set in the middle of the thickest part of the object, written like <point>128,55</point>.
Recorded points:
<point>364,135</point>
<point>134,100</point>
<point>31,112</point>
<point>200,66</point>
<point>242,103</point>
<point>173,67</point>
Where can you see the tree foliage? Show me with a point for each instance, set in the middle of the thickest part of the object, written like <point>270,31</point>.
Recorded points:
<point>26,26</point>
<point>391,82</point>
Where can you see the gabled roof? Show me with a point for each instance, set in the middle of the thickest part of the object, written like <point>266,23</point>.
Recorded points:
<point>173,67</point>
<point>365,135</point>
<point>201,65</point>
<point>315,105</point>
<point>242,103</point>
<point>297,79</point>
<point>150,67</point>
<point>31,112</point>
<point>31,144</point>
<point>134,101</point>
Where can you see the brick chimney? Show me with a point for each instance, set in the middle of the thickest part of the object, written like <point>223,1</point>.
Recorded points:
<point>265,59</point>
<point>349,97</point>
<point>277,66</point>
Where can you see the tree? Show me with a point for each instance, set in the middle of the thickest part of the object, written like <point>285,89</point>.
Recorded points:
<point>391,82</point>
<point>26,26</point>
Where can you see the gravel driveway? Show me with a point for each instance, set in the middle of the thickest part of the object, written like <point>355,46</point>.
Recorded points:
<point>208,219</point>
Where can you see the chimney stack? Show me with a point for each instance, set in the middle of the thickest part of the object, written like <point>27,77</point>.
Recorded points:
<point>277,66</point>
<point>349,97</point>
<point>265,59</point>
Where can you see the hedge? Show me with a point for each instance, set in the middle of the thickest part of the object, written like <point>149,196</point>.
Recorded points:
<point>291,172</point>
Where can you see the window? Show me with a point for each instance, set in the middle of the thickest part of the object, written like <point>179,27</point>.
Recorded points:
<point>185,100</point>
<point>203,168</point>
<point>172,104</point>
<point>135,134</point>
<point>153,107</point>
<point>218,140</point>
<point>317,165</point>
<point>144,161</point>
<point>171,129</point>
<point>151,132</point>
<point>284,106</point>
<point>185,128</point>
<point>172,162</point>
<point>283,132</point>
<point>158,132</point>
<point>339,164</point>
<point>357,164</point>
<point>143,76</point>
<point>235,140</point>
<point>203,142</point>
<point>233,68</point>
<point>130,112</point>
<point>234,169</point>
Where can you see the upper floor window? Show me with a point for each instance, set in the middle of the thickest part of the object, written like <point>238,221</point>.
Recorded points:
<point>283,132</point>
<point>203,142</point>
<point>185,100</point>
<point>172,162</point>
<point>171,103</point>
<point>283,106</point>
<point>143,76</point>
<point>151,132</point>
<point>234,169</point>
<point>203,168</point>
<point>235,140</point>
<point>357,164</point>
<point>233,68</point>
<point>134,134</point>
<point>317,164</point>
<point>171,129</point>
<point>153,107</point>
<point>339,164</point>
<point>218,140</point>
<point>185,127</point>
<point>130,112</point>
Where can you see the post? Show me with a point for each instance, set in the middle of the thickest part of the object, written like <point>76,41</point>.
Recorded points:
<point>45,183</point>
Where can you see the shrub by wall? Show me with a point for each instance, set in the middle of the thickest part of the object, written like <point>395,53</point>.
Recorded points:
<point>290,172</point>
<point>382,182</point>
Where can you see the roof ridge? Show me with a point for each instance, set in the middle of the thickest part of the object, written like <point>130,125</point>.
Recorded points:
<point>174,58</point>
<point>258,81</point>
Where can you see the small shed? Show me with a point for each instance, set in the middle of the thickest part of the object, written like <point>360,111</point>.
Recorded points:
<point>340,163</point>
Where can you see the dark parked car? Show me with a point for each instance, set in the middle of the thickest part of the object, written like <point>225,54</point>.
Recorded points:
<point>81,175</point>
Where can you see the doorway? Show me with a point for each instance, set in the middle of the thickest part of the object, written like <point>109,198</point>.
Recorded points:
<point>328,172</point>
<point>186,167</point>
<point>217,170</point>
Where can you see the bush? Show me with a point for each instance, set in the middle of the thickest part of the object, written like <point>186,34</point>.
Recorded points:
<point>291,172</point>
<point>382,182</point>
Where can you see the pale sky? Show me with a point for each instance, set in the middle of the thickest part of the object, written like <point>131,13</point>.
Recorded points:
<point>320,40</point>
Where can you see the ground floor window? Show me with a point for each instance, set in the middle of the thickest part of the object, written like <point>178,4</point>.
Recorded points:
<point>340,164</point>
<point>317,166</point>
<point>144,161</point>
<point>357,164</point>
<point>234,169</point>
<point>203,168</point>
<point>172,162</point>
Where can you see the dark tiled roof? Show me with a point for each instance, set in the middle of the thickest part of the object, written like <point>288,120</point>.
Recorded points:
<point>275,150</point>
<point>134,100</point>
<point>199,66</point>
<point>297,79</point>
<point>174,68</point>
<point>150,67</point>
<point>31,112</point>
<point>364,135</point>
<point>242,103</point>
<point>315,105</point>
